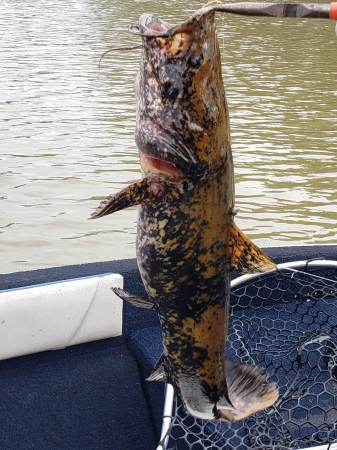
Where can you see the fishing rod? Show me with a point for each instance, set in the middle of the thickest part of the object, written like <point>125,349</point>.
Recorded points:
<point>259,9</point>
<point>296,10</point>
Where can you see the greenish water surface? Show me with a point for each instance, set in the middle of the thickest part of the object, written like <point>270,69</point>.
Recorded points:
<point>67,129</point>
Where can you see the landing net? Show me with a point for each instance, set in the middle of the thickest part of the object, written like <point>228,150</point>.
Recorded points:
<point>286,323</point>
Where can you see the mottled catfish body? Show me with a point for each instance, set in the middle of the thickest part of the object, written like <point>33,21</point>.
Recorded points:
<point>187,242</point>
<point>183,242</point>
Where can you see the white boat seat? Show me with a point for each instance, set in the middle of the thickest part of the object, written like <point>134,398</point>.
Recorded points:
<point>56,315</point>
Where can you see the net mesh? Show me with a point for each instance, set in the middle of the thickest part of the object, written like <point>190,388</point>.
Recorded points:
<point>284,322</point>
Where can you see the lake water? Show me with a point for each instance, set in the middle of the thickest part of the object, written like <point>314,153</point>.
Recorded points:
<point>67,128</point>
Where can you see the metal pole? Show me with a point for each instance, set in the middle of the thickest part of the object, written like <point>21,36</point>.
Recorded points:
<point>296,10</point>
<point>167,418</point>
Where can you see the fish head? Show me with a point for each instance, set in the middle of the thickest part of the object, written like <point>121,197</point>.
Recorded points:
<point>182,122</point>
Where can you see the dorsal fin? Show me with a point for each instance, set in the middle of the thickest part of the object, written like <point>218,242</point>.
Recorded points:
<point>245,255</point>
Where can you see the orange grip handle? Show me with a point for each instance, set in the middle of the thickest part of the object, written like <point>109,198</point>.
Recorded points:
<point>333,11</point>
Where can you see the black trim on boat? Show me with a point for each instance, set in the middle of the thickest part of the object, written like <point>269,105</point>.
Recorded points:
<point>128,267</point>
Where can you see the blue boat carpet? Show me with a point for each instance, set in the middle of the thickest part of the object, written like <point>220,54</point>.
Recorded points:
<point>86,397</point>
<point>92,397</point>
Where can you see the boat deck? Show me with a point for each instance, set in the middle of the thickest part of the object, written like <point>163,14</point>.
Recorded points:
<point>94,396</point>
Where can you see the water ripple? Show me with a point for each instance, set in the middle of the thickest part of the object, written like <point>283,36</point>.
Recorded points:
<point>67,128</point>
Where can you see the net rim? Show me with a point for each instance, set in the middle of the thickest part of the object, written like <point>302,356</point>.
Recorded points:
<point>303,264</point>
<point>236,283</point>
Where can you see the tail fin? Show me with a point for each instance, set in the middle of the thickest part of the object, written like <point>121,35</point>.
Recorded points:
<point>248,391</point>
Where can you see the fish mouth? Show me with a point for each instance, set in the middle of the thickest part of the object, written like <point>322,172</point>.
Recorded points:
<point>161,167</point>
<point>149,24</point>
<point>169,161</point>
<point>162,152</point>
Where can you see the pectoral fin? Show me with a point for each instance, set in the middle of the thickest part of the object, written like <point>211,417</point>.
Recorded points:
<point>138,302</point>
<point>245,255</point>
<point>139,192</point>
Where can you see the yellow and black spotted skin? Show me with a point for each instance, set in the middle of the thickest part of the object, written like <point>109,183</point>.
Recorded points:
<point>187,242</point>
<point>183,241</point>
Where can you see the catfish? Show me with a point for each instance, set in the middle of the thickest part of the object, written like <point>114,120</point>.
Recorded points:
<point>187,241</point>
